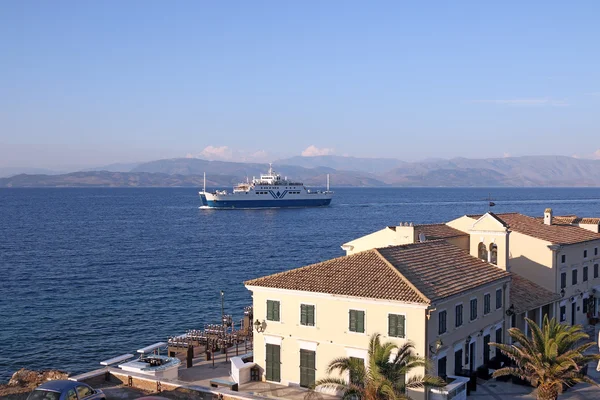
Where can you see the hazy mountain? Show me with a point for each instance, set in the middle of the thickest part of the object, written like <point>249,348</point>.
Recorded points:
<point>12,171</point>
<point>370,165</point>
<point>116,167</point>
<point>464,172</point>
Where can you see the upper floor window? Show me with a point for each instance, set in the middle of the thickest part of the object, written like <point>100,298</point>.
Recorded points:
<point>563,280</point>
<point>442,322</point>
<point>595,270</point>
<point>585,254</point>
<point>458,319</point>
<point>494,254</point>
<point>585,274</point>
<point>483,254</point>
<point>487,300</point>
<point>272,310</point>
<point>498,298</point>
<point>396,325</point>
<point>574,277</point>
<point>563,258</point>
<point>563,313</point>
<point>356,321</point>
<point>595,251</point>
<point>473,309</point>
<point>307,314</point>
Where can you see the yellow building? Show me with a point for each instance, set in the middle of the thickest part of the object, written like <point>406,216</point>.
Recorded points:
<point>447,302</point>
<point>560,254</point>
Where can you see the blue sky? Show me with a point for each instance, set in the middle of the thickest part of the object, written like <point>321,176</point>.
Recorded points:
<point>91,83</point>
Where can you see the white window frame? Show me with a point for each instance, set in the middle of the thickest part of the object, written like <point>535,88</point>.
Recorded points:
<point>439,312</point>
<point>484,313</point>
<point>267,312</point>
<point>477,309</point>
<point>463,315</point>
<point>365,322</point>
<point>300,315</point>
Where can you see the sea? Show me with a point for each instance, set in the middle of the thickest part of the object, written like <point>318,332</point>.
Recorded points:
<point>91,273</point>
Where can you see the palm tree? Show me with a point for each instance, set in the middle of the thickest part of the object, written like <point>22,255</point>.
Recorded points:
<point>551,359</point>
<point>384,378</point>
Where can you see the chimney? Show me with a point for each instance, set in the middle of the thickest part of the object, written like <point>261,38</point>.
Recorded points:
<point>405,233</point>
<point>548,216</point>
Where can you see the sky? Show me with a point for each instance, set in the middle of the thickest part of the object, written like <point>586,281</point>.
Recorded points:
<point>87,83</point>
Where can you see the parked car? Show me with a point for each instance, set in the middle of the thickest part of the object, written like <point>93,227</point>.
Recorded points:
<point>65,390</point>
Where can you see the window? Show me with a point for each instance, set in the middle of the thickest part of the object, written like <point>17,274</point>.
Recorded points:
<point>43,395</point>
<point>441,367</point>
<point>585,305</point>
<point>563,280</point>
<point>307,315</point>
<point>487,300</point>
<point>356,321</point>
<point>473,309</point>
<point>563,258</point>
<point>494,253</point>
<point>498,298</point>
<point>563,313</point>
<point>71,395</point>
<point>83,391</point>
<point>585,254</point>
<point>585,274</point>
<point>396,325</point>
<point>483,254</point>
<point>442,322</point>
<point>574,278</point>
<point>459,315</point>
<point>595,251</point>
<point>272,310</point>
<point>273,363</point>
<point>595,270</point>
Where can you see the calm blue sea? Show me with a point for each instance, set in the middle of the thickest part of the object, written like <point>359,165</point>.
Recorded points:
<point>87,274</point>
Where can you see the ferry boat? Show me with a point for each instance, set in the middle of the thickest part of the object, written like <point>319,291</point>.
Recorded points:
<point>268,191</point>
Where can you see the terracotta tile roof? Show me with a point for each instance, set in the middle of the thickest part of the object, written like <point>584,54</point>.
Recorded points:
<point>555,233</point>
<point>438,231</point>
<point>418,273</point>
<point>364,274</point>
<point>574,219</point>
<point>438,269</point>
<point>526,295</point>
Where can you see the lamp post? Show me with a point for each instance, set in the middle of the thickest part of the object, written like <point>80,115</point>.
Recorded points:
<point>222,307</point>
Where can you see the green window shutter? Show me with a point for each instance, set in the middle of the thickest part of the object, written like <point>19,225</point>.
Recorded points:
<point>360,321</point>
<point>303,315</point>
<point>401,324</point>
<point>392,325</point>
<point>269,310</point>
<point>275,311</point>
<point>310,315</point>
<point>352,322</point>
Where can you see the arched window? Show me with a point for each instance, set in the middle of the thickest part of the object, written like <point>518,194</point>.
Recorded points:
<point>483,254</point>
<point>494,253</point>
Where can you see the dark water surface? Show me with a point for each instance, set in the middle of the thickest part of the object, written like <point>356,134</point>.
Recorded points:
<point>87,274</point>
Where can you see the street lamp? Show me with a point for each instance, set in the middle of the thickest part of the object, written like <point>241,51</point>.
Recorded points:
<point>259,326</point>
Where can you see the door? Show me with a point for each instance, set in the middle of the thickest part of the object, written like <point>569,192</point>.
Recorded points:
<point>458,355</point>
<point>273,363</point>
<point>573,308</point>
<point>486,349</point>
<point>472,357</point>
<point>307,368</point>
<point>498,340</point>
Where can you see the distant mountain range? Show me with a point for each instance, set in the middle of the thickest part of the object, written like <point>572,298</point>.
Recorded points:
<point>529,171</point>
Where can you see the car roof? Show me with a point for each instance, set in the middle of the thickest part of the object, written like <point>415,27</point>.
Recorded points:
<point>59,385</point>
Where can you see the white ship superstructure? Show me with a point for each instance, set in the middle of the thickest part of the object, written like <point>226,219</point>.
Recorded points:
<point>268,191</point>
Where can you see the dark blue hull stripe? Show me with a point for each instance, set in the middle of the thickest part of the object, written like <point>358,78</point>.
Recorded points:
<point>265,203</point>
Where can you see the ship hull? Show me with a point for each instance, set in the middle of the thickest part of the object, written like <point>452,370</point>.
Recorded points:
<point>225,203</point>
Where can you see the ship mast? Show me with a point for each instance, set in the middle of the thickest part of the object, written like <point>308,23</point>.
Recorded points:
<point>204,187</point>
<point>328,182</point>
